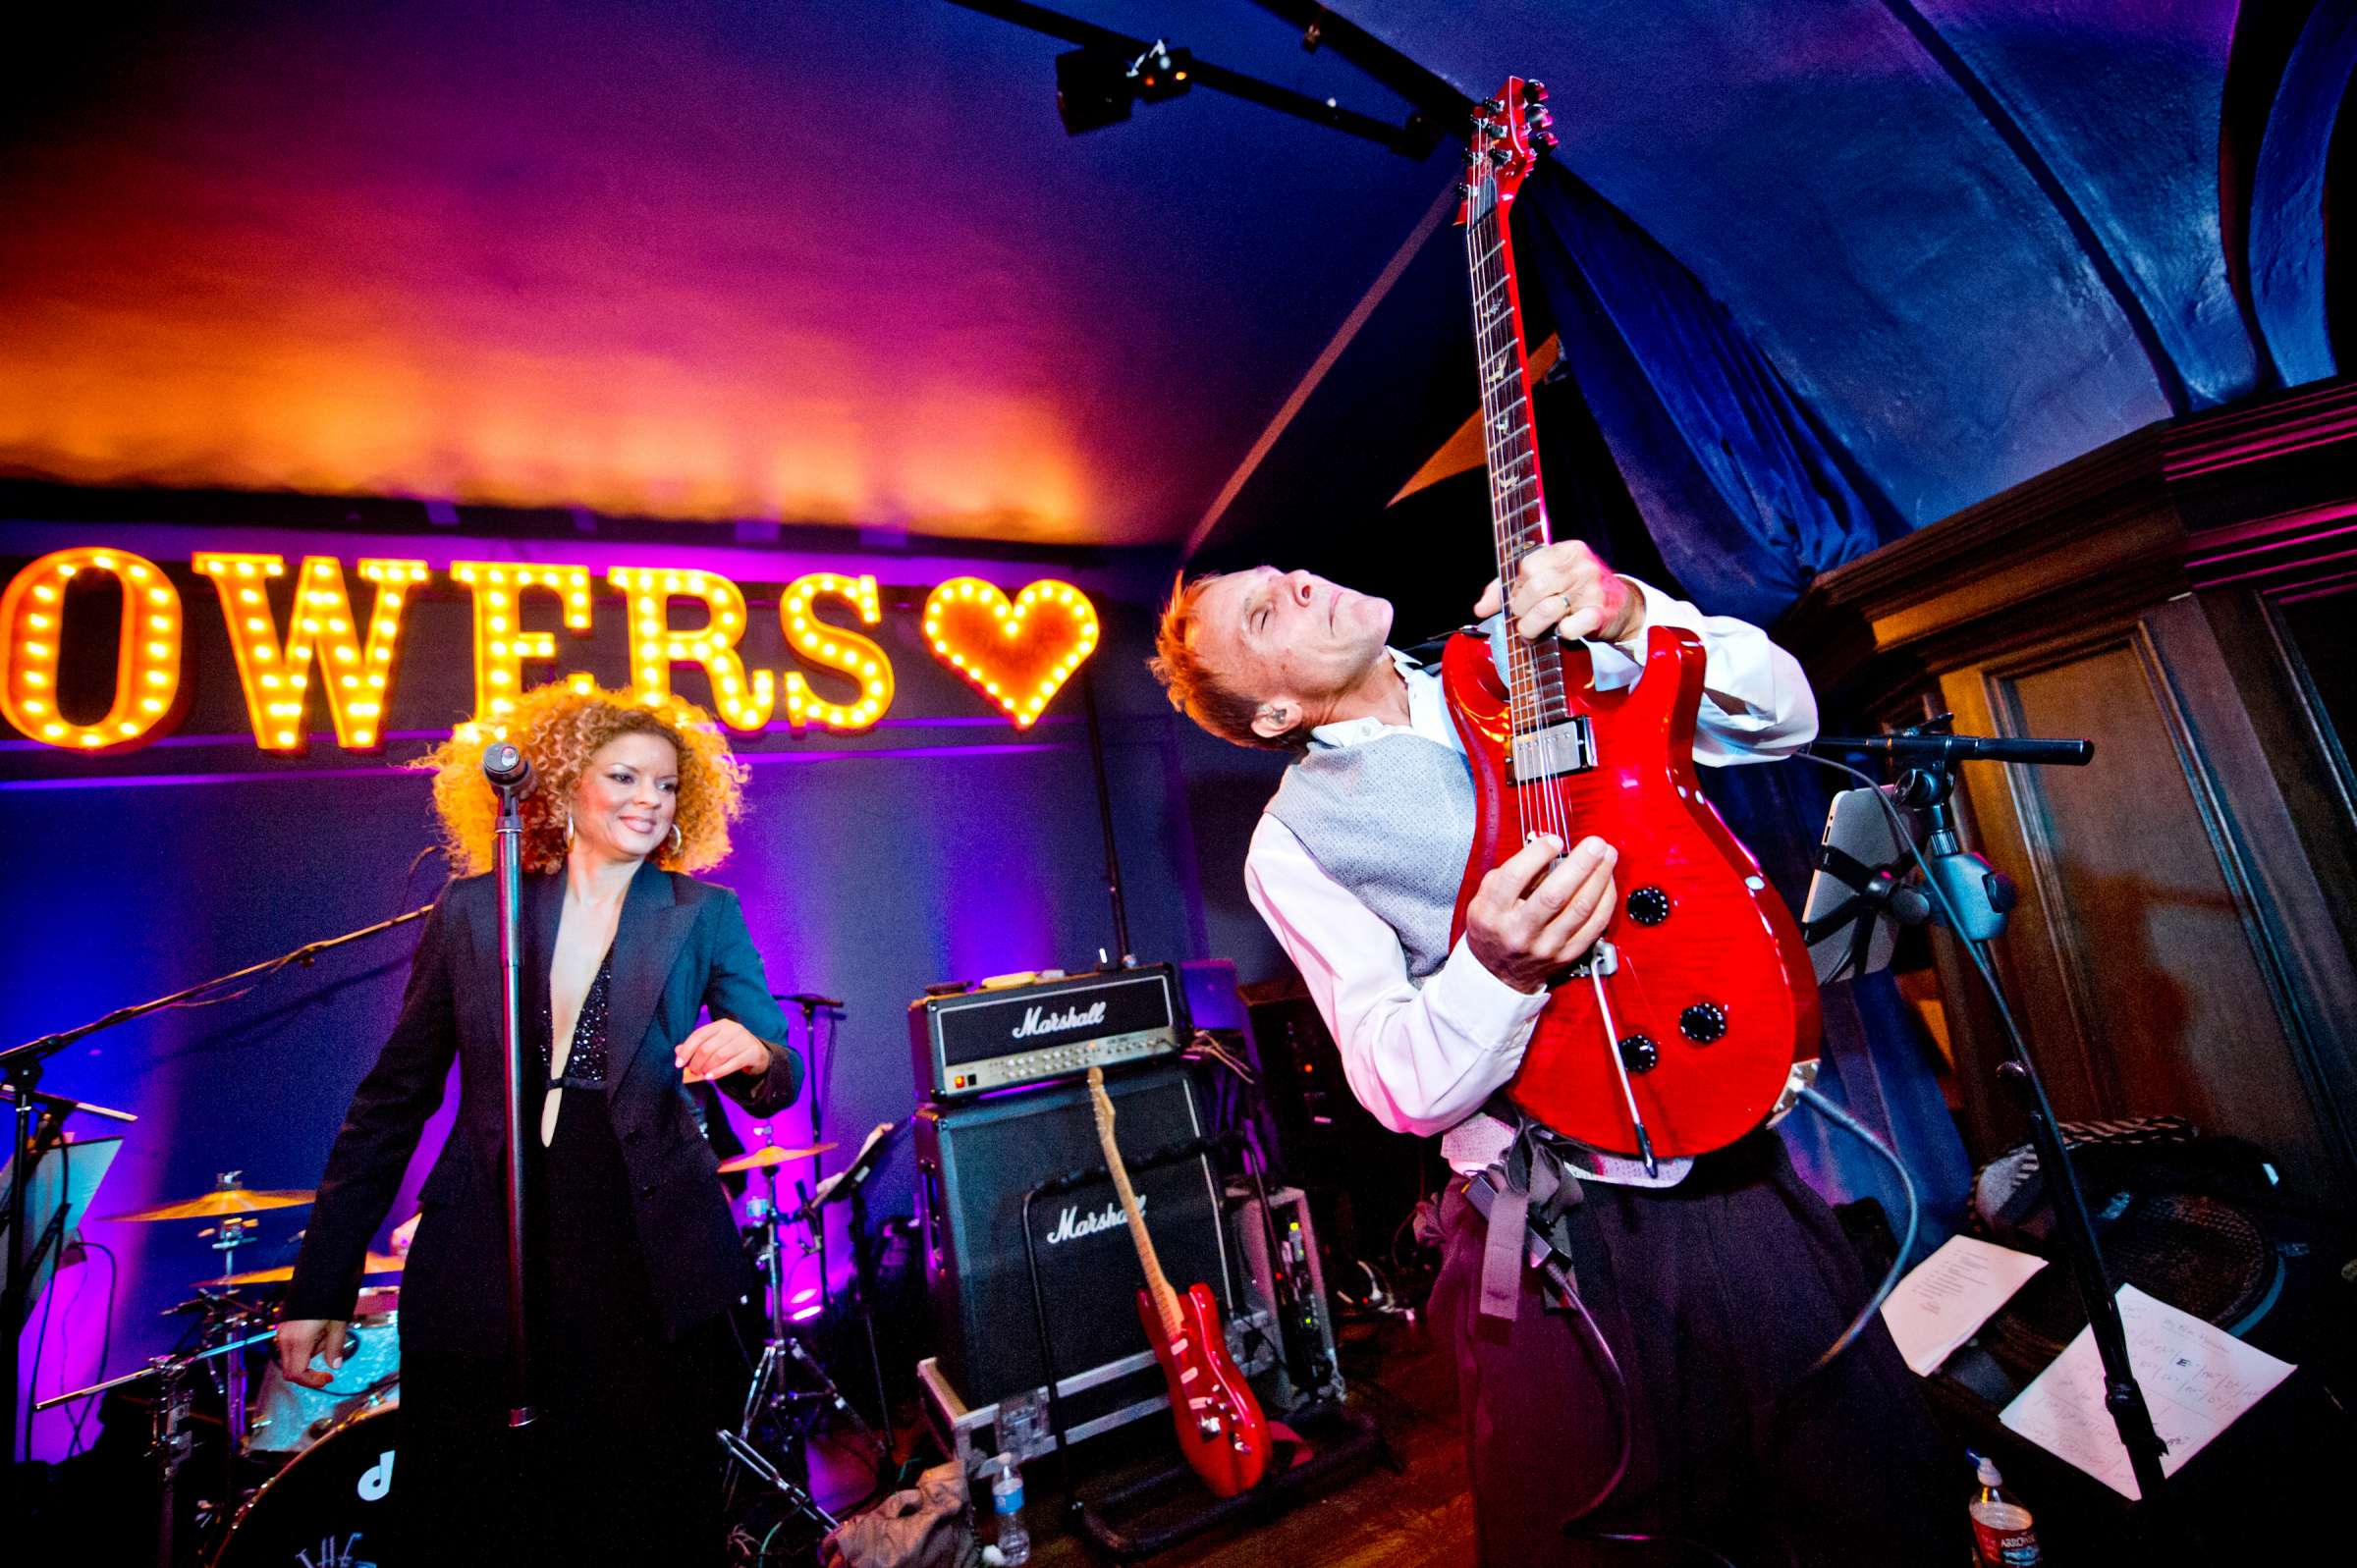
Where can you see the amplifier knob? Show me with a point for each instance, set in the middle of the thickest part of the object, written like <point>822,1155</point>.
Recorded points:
<point>1640,1053</point>
<point>1703,1022</point>
<point>1648,906</point>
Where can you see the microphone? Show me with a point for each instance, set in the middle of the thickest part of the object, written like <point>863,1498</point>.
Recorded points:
<point>1963,748</point>
<point>508,769</point>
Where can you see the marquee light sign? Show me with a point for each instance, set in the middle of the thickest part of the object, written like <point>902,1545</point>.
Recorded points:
<point>1017,653</point>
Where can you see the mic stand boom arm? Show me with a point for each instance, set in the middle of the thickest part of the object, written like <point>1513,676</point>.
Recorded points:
<point>1974,898</point>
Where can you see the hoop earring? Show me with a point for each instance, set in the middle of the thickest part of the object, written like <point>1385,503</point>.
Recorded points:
<point>568,829</point>
<point>679,841</point>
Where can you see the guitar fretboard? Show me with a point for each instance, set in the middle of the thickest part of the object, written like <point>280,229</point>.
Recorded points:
<point>1518,502</point>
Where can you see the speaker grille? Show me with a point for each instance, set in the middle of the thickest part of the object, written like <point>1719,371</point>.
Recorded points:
<point>981,1158</point>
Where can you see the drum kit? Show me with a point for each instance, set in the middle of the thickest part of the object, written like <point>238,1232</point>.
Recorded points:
<point>306,1470</point>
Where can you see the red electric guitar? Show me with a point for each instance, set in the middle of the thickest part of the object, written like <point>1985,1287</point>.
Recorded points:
<point>1221,1429</point>
<point>1675,1035</point>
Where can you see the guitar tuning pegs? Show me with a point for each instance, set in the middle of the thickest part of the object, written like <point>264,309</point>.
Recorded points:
<point>1491,106</point>
<point>1534,92</point>
<point>1547,140</point>
<point>1540,120</point>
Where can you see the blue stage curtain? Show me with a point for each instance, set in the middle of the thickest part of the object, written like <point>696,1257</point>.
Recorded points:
<point>1745,498</point>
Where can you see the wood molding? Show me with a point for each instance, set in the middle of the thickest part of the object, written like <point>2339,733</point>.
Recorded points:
<point>2263,494</point>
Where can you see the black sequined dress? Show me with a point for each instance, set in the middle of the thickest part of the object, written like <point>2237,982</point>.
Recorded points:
<point>631,1465</point>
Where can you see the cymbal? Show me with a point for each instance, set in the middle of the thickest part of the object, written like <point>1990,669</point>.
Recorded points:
<point>770,1155</point>
<point>220,1202</point>
<point>379,1262</point>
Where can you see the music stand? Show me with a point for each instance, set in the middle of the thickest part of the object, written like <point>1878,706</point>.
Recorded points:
<point>1860,896</point>
<point>64,1178</point>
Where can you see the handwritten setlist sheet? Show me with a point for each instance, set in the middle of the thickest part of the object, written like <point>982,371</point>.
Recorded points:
<point>1947,1296</point>
<point>2196,1377</point>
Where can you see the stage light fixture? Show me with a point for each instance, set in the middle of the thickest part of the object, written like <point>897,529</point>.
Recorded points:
<point>1095,87</point>
<point>1093,90</point>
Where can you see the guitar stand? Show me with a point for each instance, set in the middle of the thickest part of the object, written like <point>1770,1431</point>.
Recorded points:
<point>1127,1522</point>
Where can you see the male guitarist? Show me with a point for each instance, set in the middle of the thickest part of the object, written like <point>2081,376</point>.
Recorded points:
<point>1715,1282</point>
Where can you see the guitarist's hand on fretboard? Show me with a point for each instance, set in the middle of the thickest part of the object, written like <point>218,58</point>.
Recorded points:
<point>1566,589</point>
<point>1535,913</point>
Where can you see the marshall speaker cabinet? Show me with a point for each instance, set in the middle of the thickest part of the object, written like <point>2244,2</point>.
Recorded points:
<point>977,1160</point>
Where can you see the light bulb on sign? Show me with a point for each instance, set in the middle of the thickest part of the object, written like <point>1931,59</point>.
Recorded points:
<point>743,700</point>
<point>266,667</point>
<point>500,644</point>
<point>147,659</point>
<point>1018,653</point>
<point>834,648</point>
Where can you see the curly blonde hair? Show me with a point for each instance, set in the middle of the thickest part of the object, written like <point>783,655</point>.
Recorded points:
<point>559,730</point>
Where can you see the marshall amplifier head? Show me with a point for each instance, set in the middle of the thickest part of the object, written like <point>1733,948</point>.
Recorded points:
<point>976,1041</point>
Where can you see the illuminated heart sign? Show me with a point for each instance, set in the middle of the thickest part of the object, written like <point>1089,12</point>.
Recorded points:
<point>1018,655</point>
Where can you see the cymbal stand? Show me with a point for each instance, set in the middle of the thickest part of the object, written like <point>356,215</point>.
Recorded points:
<point>169,1439</point>
<point>232,1232</point>
<point>169,1445</point>
<point>770,1392</point>
<point>746,1454</point>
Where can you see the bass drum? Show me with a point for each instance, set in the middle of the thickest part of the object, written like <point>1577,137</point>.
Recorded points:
<point>328,1507</point>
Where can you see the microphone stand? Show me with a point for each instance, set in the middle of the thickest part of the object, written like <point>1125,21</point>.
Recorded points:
<point>20,1069</point>
<point>1974,897</point>
<point>511,777</point>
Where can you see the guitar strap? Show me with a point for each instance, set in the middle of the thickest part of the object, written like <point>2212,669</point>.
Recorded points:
<point>1537,1190</point>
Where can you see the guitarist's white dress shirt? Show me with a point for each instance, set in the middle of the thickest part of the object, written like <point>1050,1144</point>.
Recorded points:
<point>1426,1059</point>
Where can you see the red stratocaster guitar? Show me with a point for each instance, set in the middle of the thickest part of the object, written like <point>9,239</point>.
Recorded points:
<point>1675,1035</point>
<point>1221,1429</point>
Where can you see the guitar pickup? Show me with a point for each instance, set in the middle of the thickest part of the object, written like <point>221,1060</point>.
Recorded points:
<point>1557,749</point>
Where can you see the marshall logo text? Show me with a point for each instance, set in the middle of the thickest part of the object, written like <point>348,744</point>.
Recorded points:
<point>1071,1225</point>
<point>1040,1021</point>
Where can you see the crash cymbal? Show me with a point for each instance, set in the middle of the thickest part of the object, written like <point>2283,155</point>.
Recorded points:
<point>379,1262</point>
<point>220,1202</point>
<point>760,1158</point>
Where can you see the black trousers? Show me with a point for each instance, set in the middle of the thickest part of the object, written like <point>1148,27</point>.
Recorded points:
<point>1715,1296</point>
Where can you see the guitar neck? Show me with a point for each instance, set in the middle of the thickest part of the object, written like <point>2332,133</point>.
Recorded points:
<point>1158,1285</point>
<point>1517,498</point>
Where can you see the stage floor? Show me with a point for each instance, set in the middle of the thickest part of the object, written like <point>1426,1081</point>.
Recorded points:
<point>1375,1517</point>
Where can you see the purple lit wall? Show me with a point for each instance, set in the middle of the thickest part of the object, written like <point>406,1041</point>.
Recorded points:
<point>943,845</point>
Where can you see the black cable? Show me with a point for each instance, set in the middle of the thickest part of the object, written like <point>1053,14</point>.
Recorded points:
<point>1906,1247</point>
<point>65,1186</point>
<point>106,1338</point>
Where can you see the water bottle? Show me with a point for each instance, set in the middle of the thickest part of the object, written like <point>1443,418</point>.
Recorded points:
<point>2002,1534</point>
<point>1006,1501</point>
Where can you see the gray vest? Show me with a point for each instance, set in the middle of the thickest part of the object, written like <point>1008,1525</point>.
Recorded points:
<point>1392,820</point>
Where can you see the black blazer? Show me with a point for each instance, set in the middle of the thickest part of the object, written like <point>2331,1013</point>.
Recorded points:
<point>680,946</point>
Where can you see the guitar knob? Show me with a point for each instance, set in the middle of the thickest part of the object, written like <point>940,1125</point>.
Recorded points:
<point>1703,1022</point>
<point>1648,906</point>
<point>1640,1053</point>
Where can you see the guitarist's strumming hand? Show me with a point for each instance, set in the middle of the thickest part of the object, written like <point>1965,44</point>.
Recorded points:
<point>1565,589</point>
<point>1534,914</point>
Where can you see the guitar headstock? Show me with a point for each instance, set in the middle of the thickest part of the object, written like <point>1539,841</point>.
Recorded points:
<point>1509,132</point>
<point>1102,1103</point>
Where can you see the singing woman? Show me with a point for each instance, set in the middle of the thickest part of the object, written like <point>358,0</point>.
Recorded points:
<point>633,1257</point>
